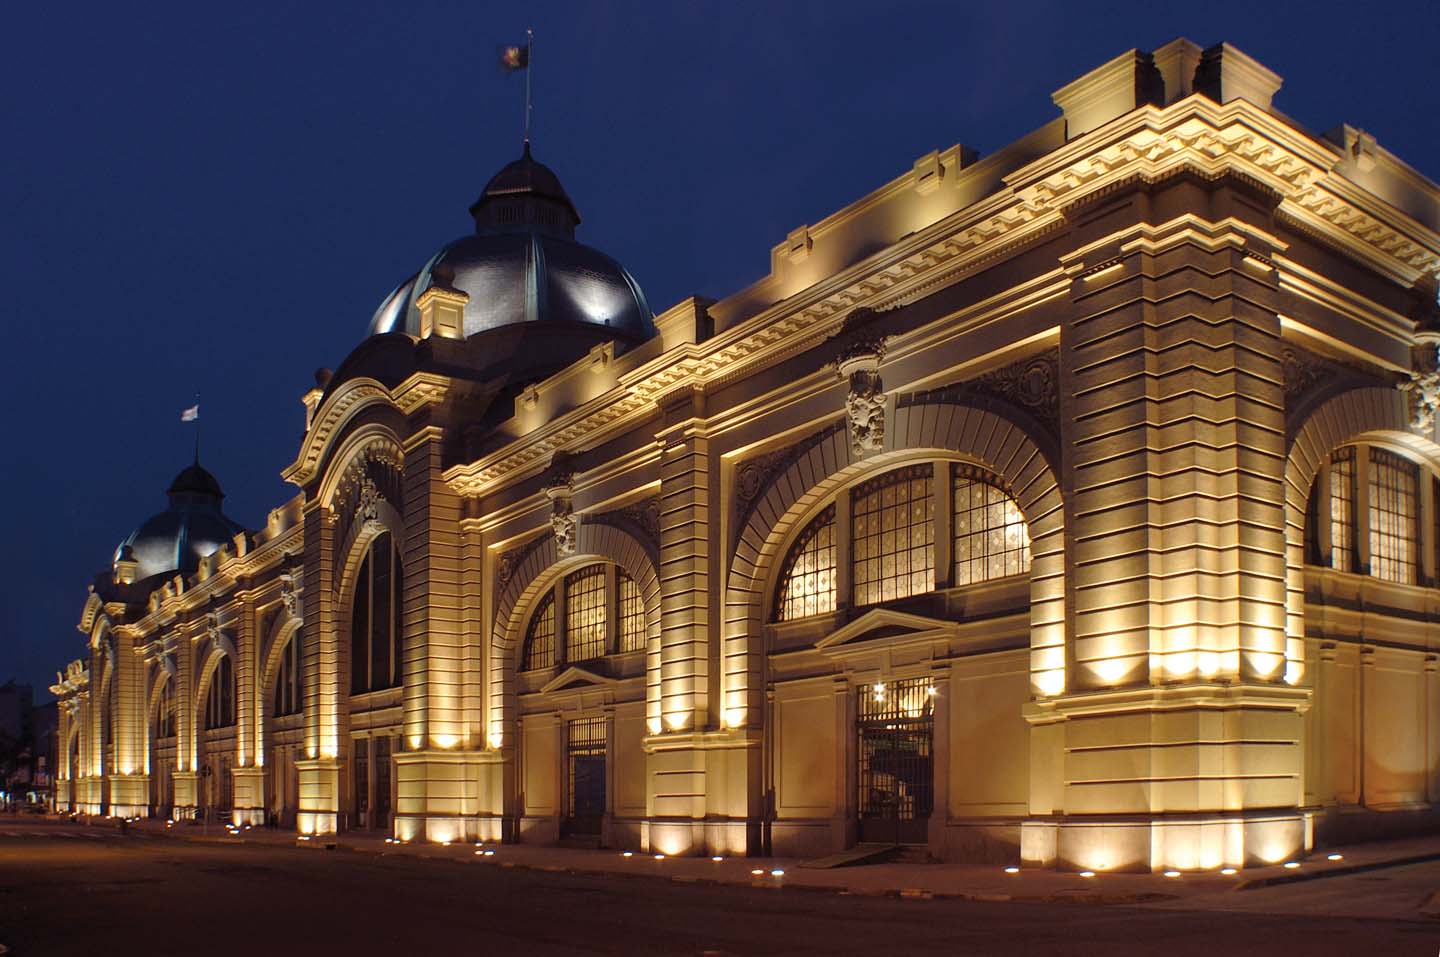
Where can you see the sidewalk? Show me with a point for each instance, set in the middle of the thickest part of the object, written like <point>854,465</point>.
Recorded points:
<point>921,881</point>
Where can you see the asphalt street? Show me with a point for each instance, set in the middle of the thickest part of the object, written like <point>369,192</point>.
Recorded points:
<point>73,890</point>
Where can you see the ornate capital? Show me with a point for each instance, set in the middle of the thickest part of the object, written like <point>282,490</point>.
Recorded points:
<point>1423,386</point>
<point>212,626</point>
<point>290,594</point>
<point>563,520</point>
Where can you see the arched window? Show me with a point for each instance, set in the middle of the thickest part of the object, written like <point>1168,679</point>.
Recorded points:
<point>893,536</point>
<point>992,539</point>
<point>165,710</point>
<point>587,614</point>
<point>632,615</point>
<point>1379,531</point>
<point>1394,517</point>
<point>288,686</point>
<point>892,545</point>
<point>807,580</point>
<point>375,619</point>
<point>220,699</point>
<point>540,639</point>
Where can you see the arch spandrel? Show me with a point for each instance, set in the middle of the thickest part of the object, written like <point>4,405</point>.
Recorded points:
<point>539,568</point>
<point>947,427</point>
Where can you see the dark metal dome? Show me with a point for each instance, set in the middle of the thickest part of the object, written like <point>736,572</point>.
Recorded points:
<point>524,265</point>
<point>192,528</point>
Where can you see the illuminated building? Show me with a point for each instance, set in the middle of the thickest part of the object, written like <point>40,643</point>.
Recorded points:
<point>1075,503</point>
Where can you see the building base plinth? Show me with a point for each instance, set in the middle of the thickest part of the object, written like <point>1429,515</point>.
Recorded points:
<point>319,795</point>
<point>129,795</point>
<point>703,793</point>
<point>439,796</point>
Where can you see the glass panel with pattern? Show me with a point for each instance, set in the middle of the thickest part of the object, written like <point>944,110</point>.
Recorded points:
<point>220,699</point>
<point>375,619</point>
<point>165,714</point>
<point>632,614</point>
<point>585,614</point>
<point>807,579</point>
<point>287,682</point>
<point>540,638</point>
<point>1394,516</point>
<point>992,539</point>
<point>1342,509</point>
<point>893,536</point>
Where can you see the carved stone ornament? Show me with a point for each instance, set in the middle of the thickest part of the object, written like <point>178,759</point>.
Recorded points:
<point>368,504</point>
<point>212,626</point>
<point>1423,386</point>
<point>290,595</point>
<point>563,521</point>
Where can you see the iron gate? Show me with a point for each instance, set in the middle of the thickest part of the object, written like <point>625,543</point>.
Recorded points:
<point>585,758</point>
<point>895,761</point>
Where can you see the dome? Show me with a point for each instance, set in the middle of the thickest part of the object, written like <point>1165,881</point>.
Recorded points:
<point>192,528</point>
<point>524,265</point>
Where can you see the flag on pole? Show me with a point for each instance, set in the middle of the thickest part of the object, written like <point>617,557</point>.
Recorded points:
<point>191,414</point>
<point>514,58</point>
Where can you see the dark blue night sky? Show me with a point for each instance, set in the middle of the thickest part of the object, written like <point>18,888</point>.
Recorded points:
<point>197,200</point>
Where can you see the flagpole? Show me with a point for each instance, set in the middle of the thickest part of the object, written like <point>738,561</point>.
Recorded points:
<point>197,429</point>
<point>529,65</point>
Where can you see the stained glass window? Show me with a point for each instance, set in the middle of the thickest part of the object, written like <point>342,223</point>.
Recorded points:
<point>585,614</point>
<point>991,537</point>
<point>893,536</point>
<point>1342,510</point>
<point>807,579</point>
<point>540,639</point>
<point>1394,512</point>
<point>631,614</point>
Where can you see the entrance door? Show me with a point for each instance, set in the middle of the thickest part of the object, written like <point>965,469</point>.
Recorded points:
<point>585,756</point>
<point>896,764</point>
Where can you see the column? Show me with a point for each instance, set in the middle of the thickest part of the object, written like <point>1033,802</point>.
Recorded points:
<point>319,770</point>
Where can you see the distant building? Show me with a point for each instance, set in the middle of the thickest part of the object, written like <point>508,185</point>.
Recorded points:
<point>1079,503</point>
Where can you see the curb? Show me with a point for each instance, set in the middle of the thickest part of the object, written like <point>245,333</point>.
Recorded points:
<point>1337,871</point>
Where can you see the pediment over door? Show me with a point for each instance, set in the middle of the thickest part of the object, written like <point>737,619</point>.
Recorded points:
<point>574,679</point>
<point>884,630</point>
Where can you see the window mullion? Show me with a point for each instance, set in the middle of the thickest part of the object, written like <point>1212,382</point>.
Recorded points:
<point>844,563</point>
<point>1362,509</point>
<point>943,495</point>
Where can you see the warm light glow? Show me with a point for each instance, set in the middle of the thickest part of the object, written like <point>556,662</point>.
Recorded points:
<point>1050,682</point>
<point>734,717</point>
<point>659,857</point>
<point>627,853</point>
<point>1111,670</point>
<point>1291,865</point>
<point>757,872</point>
<point>777,872</point>
<point>495,739</point>
<point>1087,873</point>
<point>1172,873</point>
<point>1012,869</point>
<point>717,858</point>
<point>1333,857</point>
<point>445,741</point>
<point>676,720</point>
<point>653,724</point>
<point>1227,871</point>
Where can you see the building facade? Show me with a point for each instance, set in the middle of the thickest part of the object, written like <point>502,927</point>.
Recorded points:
<point>1077,504</point>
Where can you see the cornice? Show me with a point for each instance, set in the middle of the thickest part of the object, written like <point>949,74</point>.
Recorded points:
<point>1146,145</point>
<point>419,390</point>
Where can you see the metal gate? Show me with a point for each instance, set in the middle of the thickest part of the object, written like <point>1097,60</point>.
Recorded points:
<point>585,758</point>
<point>896,764</point>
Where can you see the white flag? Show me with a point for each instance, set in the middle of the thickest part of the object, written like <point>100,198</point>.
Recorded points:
<point>190,414</point>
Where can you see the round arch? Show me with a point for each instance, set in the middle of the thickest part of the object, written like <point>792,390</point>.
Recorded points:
<point>974,430</point>
<point>286,627</point>
<point>219,648</point>
<point>1343,418</point>
<point>364,438</point>
<point>536,571</point>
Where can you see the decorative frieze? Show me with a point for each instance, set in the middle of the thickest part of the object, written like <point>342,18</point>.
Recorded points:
<point>641,519</point>
<point>1423,387</point>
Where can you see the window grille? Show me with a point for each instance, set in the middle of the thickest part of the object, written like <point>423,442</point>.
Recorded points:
<point>540,640</point>
<point>992,539</point>
<point>585,753</point>
<point>807,580</point>
<point>1393,516</point>
<point>632,614</point>
<point>585,614</point>
<point>1342,509</point>
<point>893,536</point>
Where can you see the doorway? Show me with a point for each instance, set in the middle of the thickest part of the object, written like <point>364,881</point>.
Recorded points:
<point>585,760</point>
<point>895,761</point>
